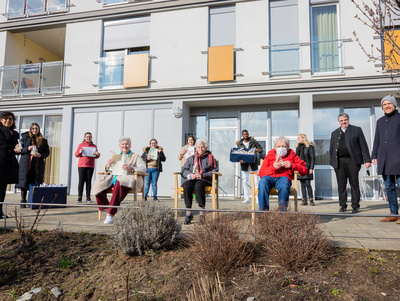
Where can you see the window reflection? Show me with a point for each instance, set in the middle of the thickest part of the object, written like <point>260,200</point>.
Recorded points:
<point>285,123</point>
<point>325,121</point>
<point>361,117</point>
<point>255,123</point>
<point>198,126</point>
<point>227,122</point>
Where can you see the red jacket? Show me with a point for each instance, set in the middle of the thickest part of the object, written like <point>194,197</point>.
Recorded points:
<point>268,169</point>
<point>85,161</point>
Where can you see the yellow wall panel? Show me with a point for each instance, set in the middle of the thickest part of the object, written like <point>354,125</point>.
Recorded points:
<point>394,61</point>
<point>136,70</point>
<point>220,63</point>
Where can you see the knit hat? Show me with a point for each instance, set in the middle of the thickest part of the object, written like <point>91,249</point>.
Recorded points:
<point>390,98</point>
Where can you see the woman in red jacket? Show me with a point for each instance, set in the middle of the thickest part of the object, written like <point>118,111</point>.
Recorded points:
<point>277,171</point>
<point>87,153</point>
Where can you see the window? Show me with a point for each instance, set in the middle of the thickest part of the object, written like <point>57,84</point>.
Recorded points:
<point>122,38</point>
<point>104,2</point>
<point>284,37</point>
<point>23,8</point>
<point>325,44</point>
<point>285,123</point>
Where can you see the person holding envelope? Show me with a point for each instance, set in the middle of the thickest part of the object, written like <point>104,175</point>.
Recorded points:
<point>118,175</point>
<point>87,153</point>
<point>153,155</point>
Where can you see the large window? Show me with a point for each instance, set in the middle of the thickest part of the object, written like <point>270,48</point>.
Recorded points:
<point>285,123</point>
<point>222,29</point>
<point>325,44</point>
<point>284,37</point>
<point>23,8</point>
<point>123,38</point>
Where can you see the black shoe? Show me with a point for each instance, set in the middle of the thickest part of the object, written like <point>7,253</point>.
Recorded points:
<point>22,206</point>
<point>88,200</point>
<point>79,200</point>
<point>355,210</point>
<point>145,198</point>
<point>188,219</point>
<point>311,202</point>
<point>2,215</point>
<point>155,200</point>
<point>202,219</point>
<point>304,203</point>
<point>342,209</point>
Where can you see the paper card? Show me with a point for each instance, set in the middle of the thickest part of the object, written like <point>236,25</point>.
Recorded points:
<point>119,160</point>
<point>88,151</point>
<point>153,152</point>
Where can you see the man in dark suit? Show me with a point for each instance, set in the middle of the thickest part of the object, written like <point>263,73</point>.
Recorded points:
<point>348,150</point>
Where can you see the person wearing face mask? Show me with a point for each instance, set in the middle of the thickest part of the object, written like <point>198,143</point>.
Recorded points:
<point>348,150</point>
<point>277,171</point>
<point>35,150</point>
<point>386,153</point>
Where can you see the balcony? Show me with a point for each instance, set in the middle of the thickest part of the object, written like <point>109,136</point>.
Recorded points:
<point>27,8</point>
<point>32,79</point>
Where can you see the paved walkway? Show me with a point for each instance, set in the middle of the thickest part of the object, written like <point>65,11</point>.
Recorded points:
<point>359,231</point>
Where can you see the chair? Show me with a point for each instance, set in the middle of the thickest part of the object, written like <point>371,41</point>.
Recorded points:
<point>273,191</point>
<point>133,191</point>
<point>213,190</point>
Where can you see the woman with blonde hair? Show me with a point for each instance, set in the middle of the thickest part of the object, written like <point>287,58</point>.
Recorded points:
<point>305,150</point>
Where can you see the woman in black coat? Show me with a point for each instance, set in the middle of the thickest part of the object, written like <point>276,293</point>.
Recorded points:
<point>8,163</point>
<point>305,150</point>
<point>35,150</point>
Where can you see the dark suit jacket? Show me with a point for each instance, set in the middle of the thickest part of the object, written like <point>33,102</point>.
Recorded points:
<point>355,142</point>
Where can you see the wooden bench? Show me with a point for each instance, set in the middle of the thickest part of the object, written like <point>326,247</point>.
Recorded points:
<point>213,190</point>
<point>133,191</point>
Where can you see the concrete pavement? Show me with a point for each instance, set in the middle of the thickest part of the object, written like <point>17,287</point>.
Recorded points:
<point>360,231</point>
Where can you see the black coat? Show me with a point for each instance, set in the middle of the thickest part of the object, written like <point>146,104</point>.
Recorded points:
<point>160,157</point>
<point>8,161</point>
<point>355,142</point>
<point>386,147</point>
<point>309,158</point>
<point>44,150</point>
<point>253,143</point>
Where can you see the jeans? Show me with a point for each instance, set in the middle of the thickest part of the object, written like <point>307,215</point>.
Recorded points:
<point>153,179</point>
<point>390,185</point>
<point>282,184</point>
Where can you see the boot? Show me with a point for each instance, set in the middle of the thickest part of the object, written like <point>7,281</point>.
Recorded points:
<point>23,197</point>
<point>311,202</point>
<point>304,202</point>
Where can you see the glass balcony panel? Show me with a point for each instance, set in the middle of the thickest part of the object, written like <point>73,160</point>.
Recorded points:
<point>56,5</point>
<point>15,8</point>
<point>34,7</point>
<point>112,1</point>
<point>52,77</point>
<point>10,80</point>
<point>111,72</point>
<point>30,79</point>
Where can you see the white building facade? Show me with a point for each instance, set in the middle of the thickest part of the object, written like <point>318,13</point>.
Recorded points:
<point>165,69</point>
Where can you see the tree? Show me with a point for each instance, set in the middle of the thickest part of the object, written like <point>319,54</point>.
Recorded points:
<point>382,16</point>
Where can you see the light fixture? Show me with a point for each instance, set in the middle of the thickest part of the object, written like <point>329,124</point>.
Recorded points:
<point>177,112</point>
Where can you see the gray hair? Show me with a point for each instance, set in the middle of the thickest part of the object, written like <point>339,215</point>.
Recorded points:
<point>343,115</point>
<point>201,141</point>
<point>123,138</point>
<point>282,138</point>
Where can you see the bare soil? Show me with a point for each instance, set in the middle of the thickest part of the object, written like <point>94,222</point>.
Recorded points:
<point>87,267</point>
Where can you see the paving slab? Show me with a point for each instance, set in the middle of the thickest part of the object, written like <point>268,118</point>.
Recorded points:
<point>343,229</point>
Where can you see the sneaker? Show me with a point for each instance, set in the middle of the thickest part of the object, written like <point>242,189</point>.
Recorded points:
<point>311,202</point>
<point>79,200</point>
<point>109,219</point>
<point>304,203</point>
<point>88,200</point>
<point>188,219</point>
<point>390,219</point>
<point>246,201</point>
<point>155,200</point>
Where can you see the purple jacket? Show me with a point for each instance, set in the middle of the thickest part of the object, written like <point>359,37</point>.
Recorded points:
<point>387,144</point>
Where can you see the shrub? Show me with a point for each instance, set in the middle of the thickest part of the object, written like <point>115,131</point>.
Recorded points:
<point>294,241</point>
<point>144,226</point>
<point>220,244</point>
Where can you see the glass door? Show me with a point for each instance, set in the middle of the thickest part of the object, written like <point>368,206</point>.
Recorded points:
<point>222,138</point>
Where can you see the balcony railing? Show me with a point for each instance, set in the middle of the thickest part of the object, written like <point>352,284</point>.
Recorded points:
<point>26,8</point>
<point>111,72</point>
<point>32,79</point>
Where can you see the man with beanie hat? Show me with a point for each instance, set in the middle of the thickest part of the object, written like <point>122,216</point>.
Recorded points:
<point>386,153</point>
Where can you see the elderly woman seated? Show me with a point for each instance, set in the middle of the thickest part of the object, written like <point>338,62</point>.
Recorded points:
<point>197,171</point>
<point>277,171</point>
<point>120,184</point>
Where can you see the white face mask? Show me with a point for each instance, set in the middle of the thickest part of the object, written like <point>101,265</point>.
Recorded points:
<point>281,151</point>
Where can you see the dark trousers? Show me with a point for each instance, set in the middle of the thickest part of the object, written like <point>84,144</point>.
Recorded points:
<point>198,187</point>
<point>118,195</point>
<point>348,170</point>
<point>3,188</point>
<point>85,176</point>
<point>306,188</point>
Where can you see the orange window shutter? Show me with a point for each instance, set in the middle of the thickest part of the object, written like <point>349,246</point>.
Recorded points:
<point>136,70</point>
<point>392,56</point>
<point>220,63</point>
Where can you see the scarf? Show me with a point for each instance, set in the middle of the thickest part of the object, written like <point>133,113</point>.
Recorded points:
<point>197,161</point>
<point>115,177</point>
